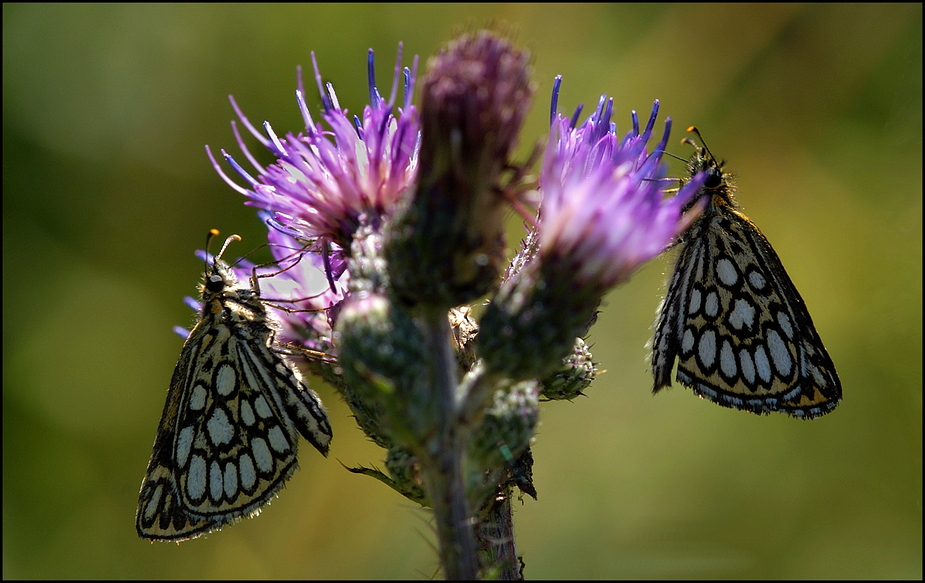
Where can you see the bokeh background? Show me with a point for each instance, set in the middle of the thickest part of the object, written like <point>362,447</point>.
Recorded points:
<point>107,191</point>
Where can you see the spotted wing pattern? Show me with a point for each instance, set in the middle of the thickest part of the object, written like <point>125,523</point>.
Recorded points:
<point>734,321</point>
<point>228,437</point>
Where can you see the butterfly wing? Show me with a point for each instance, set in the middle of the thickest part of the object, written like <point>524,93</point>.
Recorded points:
<point>738,327</point>
<point>228,438</point>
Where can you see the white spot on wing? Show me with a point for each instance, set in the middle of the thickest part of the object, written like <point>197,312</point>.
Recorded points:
<point>262,455</point>
<point>262,408</point>
<point>247,413</point>
<point>726,272</point>
<point>819,377</point>
<point>780,356</point>
<point>220,429</point>
<point>783,320</point>
<point>694,306</point>
<point>154,502</point>
<point>711,306</point>
<point>184,445</point>
<point>706,348</point>
<point>231,480</point>
<point>756,280</point>
<point>278,440</point>
<point>197,398</point>
<point>743,315</point>
<point>248,474</point>
<point>747,366</point>
<point>225,379</point>
<point>216,481</point>
<point>762,366</point>
<point>687,341</point>
<point>196,478</point>
<point>727,360</point>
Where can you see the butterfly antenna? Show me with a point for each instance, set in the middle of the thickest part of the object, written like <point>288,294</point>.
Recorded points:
<point>694,130</point>
<point>209,236</point>
<point>225,245</point>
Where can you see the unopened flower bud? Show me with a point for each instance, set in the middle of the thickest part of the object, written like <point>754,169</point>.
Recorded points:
<point>573,377</point>
<point>507,427</point>
<point>384,360</point>
<point>446,244</point>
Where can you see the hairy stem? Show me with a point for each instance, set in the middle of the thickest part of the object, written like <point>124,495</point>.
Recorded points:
<point>496,533</point>
<point>442,464</point>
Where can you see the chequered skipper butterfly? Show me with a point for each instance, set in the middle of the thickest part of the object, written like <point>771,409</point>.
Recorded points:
<point>737,325</point>
<point>228,437</point>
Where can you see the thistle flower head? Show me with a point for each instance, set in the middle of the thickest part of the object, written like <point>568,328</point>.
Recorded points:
<point>603,213</point>
<point>325,183</point>
<point>603,205</point>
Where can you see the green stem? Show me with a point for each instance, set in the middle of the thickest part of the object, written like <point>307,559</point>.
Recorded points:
<point>442,464</point>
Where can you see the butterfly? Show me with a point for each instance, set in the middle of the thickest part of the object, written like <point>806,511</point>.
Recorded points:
<point>228,437</point>
<point>732,317</point>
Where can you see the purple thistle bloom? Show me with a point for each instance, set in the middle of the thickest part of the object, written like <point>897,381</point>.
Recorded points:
<point>603,213</point>
<point>603,209</point>
<point>326,183</point>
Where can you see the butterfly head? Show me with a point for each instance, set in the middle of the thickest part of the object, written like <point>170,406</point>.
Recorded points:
<point>718,184</point>
<point>218,277</point>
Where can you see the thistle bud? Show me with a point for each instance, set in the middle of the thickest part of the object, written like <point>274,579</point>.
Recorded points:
<point>507,427</point>
<point>573,377</point>
<point>446,242</point>
<point>384,360</point>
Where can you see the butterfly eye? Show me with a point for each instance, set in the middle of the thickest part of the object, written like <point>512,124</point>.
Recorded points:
<point>714,178</point>
<point>215,283</point>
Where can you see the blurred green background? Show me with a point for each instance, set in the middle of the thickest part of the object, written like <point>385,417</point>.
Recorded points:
<point>107,192</point>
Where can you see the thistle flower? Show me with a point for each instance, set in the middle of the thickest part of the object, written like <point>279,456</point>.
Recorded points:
<point>366,211</point>
<point>603,213</point>
<point>325,183</point>
<point>603,208</point>
<point>299,284</point>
